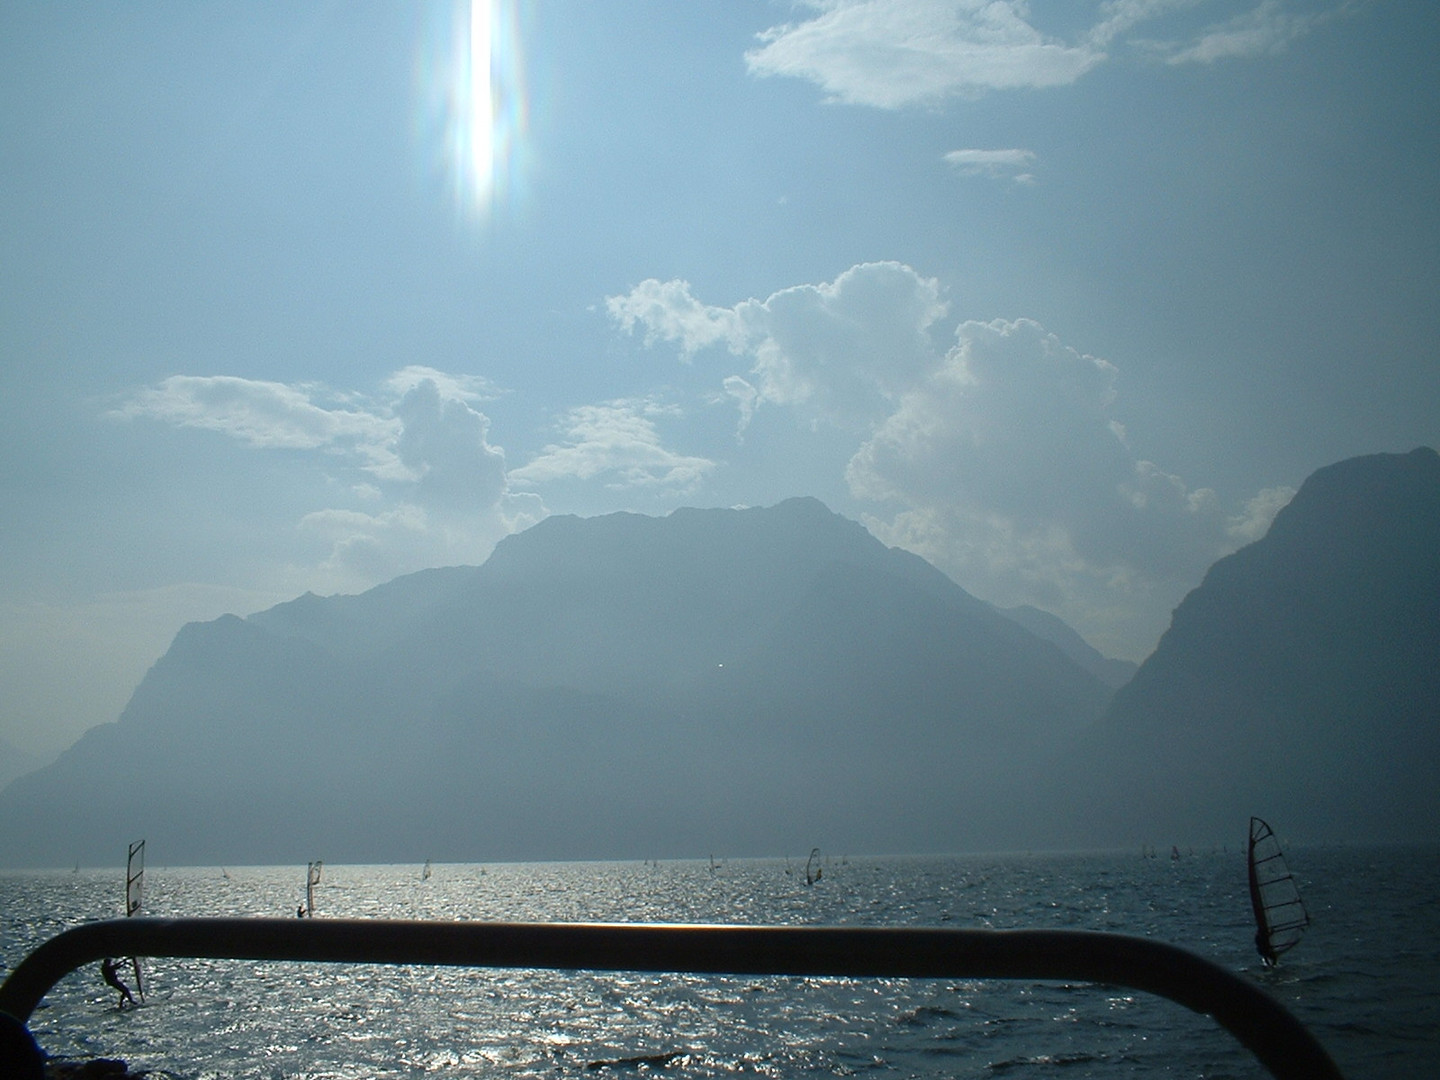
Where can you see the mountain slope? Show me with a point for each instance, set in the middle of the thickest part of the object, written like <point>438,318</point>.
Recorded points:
<point>1300,680</point>
<point>623,686</point>
<point>1048,627</point>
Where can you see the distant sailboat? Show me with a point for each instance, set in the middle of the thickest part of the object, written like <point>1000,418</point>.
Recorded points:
<point>425,874</point>
<point>813,869</point>
<point>1280,915</point>
<point>134,899</point>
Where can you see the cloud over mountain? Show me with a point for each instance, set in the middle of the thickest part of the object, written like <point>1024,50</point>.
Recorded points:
<point>422,482</point>
<point>619,443</point>
<point>1002,458</point>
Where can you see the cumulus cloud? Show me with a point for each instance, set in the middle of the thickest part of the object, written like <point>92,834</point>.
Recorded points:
<point>1013,443</point>
<point>996,164</point>
<point>840,350</point>
<point>618,443</point>
<point>418,451</point>
<point>1000,456</point>
<point>668,312</point>
<point>890,53</point>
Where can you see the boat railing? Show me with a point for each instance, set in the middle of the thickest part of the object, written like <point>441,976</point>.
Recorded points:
<point>1264,1026</point>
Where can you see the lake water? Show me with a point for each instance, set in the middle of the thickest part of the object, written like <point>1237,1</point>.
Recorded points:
<point>1366,978</point>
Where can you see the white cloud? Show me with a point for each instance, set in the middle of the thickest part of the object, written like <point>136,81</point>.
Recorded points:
<point>891,53</point>
<point>470,389</point>
<point>668,312</point>
<point>1015,431</point>
<point>422,430</point>
<point>1267,28</point>
<point>841,349</point>
<point>998,164</point>
<point>895,53</point>
<point>746,398</point>
<point>619,443</point>
<point>1003,458</point>
<point>1253,522</point>
<point>1119,16</point>
<point>432,485</point>
<point>370,547</point>
<point>266,415</point>
<point>444,444</point>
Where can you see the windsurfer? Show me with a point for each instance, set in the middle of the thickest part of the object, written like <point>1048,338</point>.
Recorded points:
<point>1262,946</point>
<point>110,973</point>
<point>300,912</point>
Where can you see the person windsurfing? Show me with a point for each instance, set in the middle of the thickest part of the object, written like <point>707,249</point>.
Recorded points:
<point>110,973</point>
<point>1262,946</point>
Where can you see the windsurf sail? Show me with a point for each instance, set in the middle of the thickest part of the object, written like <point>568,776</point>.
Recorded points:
<point>312,878</point>
<point>425,874</point>
<point>1280,915</point>
<point>135,899</point>
<point>813,869</point>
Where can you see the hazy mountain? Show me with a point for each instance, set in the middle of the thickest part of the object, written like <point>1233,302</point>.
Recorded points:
<point>1113,673</point>
<point>743,681</point>
<point>16,762</point>
<point>752,681</point>
<point>1300,681</point>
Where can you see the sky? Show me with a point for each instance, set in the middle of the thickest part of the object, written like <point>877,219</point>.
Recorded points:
<point>1067,297</point>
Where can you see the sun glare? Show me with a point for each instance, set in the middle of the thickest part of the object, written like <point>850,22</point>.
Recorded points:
<point>482,96</point>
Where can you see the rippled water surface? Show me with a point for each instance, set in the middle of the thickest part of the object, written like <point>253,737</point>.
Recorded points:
<point>1366,979</point>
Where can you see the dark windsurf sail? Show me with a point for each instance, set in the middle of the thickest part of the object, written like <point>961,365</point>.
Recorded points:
<point>1280,915</point>
<point>134,899</point>
<point>813,870</point>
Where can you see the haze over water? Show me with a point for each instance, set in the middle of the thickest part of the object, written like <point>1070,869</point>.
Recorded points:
<point>1363,979</point>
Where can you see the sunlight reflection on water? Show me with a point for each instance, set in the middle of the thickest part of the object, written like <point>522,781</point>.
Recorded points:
<point>240,1018</point>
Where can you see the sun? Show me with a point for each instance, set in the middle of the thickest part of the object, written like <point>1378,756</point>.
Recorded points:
<point>483,100</point>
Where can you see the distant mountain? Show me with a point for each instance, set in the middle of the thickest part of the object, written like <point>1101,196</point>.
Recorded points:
<point>1300,681</point>
<point>745,681</point>
<point>16,762</point>
<point>1051,628</point>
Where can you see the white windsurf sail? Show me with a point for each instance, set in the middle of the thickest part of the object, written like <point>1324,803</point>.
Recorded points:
<point>312,878</point>
<point>135,900</point>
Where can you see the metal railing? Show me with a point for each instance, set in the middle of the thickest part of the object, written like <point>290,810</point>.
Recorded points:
<point>1266,1028</point>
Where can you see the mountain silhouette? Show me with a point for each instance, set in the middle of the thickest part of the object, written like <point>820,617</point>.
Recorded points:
<point>1113,673</point>
<point>748,681</point>
<point>1300,681</point>
<point>764,680</point>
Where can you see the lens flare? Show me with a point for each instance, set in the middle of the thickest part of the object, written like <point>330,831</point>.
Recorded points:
<point>477,88</point>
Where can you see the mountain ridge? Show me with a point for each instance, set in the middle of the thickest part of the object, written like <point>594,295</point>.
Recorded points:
<point>1301,675</point>
<point>767,676</point>
<point>761,681</point>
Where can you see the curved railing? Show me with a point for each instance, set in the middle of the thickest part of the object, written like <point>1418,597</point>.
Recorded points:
<point>1260,1023</point>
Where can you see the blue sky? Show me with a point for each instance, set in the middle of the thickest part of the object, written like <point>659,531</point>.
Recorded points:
<point>1066,297</point>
